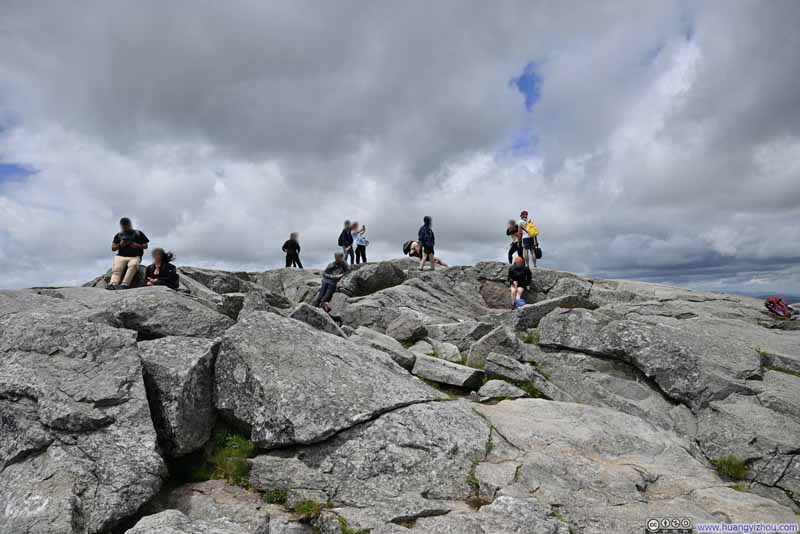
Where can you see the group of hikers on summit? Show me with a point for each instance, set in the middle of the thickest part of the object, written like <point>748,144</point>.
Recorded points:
<point>130,244</point>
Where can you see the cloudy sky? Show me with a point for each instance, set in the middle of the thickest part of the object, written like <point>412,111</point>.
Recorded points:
<point>651,140</point>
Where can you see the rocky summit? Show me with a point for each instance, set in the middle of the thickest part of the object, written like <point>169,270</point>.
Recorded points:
<point>422,404</point>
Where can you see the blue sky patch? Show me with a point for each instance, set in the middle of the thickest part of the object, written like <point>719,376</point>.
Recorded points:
<point>529,84</point>
<point>13,172</point>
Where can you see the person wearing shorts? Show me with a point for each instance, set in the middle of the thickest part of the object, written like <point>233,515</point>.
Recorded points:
<point>528,242</point>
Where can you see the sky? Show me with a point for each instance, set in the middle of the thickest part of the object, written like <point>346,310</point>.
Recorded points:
<point>649,140</point>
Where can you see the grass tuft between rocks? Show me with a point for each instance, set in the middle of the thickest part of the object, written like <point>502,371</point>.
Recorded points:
<point>731,467</point>
<point>308,510</point>
<point>226,457</point>
<point>275,496</point>
<point>532,338</point>
<point>531,389</point>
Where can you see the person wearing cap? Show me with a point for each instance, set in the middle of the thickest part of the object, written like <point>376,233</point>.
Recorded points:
<point>330,278</point>
<point>129,244</point>
<point>527,241</point>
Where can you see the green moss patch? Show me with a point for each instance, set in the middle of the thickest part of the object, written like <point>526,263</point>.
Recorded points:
<point>731,467</point>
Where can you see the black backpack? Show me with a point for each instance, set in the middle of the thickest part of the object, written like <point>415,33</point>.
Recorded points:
<point>407,247</point>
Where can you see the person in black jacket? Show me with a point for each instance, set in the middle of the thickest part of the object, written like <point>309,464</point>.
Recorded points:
<point>427,241</point>
<point>330,278</point>
<point>162,272</point>
<point>346,242</point>
<point>513,231</point>
<point>520,277</point>
<point>292,250</point>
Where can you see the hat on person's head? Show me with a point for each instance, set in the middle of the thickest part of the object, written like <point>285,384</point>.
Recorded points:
<point>124,221</point>
<point>524,214</point>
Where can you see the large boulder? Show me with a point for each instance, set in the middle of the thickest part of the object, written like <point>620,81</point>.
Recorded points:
<point>407,328</point>
<point>289,384</point>
<point>371,278</point>
<point>693,358</point>
<point>175,522</point>
<point>216,500</point>
<point>499,389</point>
<point>179,377</point>
<point>77,446</point>
<point>296,285</point>
<point>406,464</point>
<point>605,471</point>
<point>152,311</point>
<point>316,318</point>
<point>501,340</point>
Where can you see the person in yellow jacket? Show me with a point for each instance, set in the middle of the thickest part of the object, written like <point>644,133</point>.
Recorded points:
<point>529,238</point>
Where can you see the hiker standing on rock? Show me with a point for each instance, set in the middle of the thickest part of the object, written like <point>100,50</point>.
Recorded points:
<point>529,239</point>
<point>520,277</point>
<point>330,277</point>
<point>162,272</point>
<point>359,241</point>
<point>346,241</point>
<point>129,244</point>
<point>292,249</point>
<point>427,241</point>
<point>513,231</point>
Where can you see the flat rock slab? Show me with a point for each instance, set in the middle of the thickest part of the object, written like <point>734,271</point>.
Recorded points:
<point>609,472</point>
<point>502,340</point>
<point>213,500</point>
<point>408,463</point>
<point>77,445</point>
<point>500,389</point>
<point>371,278</point>
<point>444,372</point>
<point>316,318</point>
<point>290,384</point>
<point>175,522</point>
<point>179,377</point>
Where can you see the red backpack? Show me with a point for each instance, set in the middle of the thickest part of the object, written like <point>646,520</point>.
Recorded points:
<point>779,307</point>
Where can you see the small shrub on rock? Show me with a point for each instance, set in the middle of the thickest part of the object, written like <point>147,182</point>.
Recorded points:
<point>731,467</point>
<point>308,510</point>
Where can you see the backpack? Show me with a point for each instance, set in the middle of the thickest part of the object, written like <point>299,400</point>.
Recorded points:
<point>531,229</point>
<point>407,247</point>
<point>779,307</point>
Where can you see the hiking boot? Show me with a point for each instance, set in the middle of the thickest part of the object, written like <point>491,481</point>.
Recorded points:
<point>123,286</point>
<point>111,288</point>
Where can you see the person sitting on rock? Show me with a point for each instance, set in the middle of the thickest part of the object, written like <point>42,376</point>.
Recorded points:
<point>359,241</point>
<point>292,249</point>
<point>129,244</point>
<point>161,272</point>
<point>513,231</point>
<point>520,276</point>
<point>330,278</point>
<point>346,241</point>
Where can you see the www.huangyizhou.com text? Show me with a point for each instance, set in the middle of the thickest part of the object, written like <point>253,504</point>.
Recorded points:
<point>743,528</point>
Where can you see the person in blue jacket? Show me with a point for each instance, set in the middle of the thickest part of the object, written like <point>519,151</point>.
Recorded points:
<point>427,241</point>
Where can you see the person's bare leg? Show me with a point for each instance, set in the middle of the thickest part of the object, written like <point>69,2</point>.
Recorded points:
<point>433,262</point>
<point>422,261</point>
<point>513,297</point>
<point>527,256</point>
<point>440,262</point>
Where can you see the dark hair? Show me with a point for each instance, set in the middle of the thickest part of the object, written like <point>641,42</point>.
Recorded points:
<point>427,219</point>
<point>166,256</point>
<point>347,223</point>
<point>124,221</point>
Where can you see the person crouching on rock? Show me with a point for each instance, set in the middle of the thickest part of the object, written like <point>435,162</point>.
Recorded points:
<point>129,244</point>
<point>346,241</point>
<point>162,272</point>
<point>330,277</point>
<point>520,276</point>
<point>292,249</point>
<point>359,241</point>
